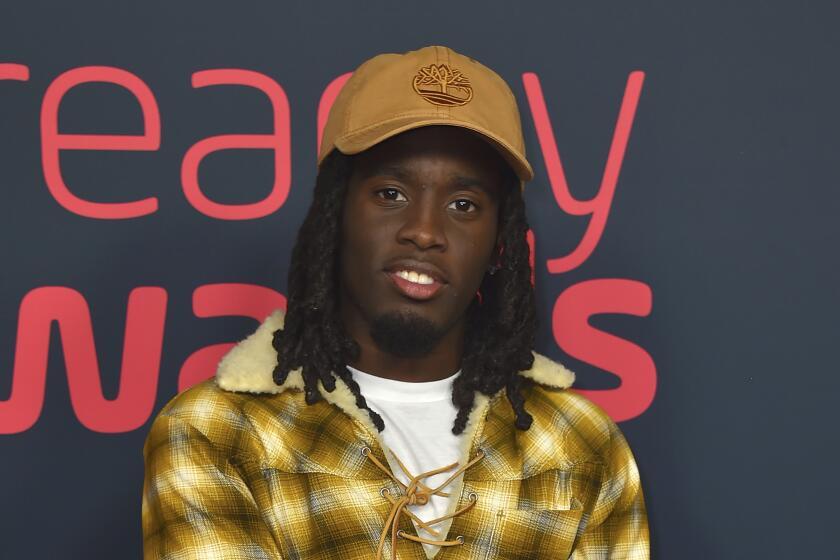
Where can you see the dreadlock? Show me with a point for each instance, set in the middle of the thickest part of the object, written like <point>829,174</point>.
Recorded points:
<point>500,328</point>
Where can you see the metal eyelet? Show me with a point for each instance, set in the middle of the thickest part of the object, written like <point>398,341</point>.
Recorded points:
<point>400,533</point>
<point>384,490</point>
<point>472,496</point>
<point>460,539</point>
<point>365,451</point>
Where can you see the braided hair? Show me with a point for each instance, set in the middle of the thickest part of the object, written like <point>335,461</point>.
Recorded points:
<point>500,325</point>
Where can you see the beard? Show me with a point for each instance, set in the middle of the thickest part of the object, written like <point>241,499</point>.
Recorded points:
<point>405,335</point>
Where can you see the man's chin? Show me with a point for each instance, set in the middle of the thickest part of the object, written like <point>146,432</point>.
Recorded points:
<point>405,334</point>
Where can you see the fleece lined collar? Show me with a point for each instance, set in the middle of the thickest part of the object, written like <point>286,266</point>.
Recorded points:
<point>249,365</point>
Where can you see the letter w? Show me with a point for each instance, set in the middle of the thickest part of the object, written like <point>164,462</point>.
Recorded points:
<point>135,399</point>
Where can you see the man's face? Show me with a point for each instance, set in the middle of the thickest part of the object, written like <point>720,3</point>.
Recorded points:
<point>419,230</point>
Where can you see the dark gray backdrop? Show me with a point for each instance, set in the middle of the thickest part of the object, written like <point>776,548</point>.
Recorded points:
<point>726,207</point>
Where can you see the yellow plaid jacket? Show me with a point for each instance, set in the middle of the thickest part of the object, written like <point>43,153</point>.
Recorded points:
<point>239,467</point>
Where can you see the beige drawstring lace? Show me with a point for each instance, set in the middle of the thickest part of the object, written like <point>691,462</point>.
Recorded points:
<point>416,492</point>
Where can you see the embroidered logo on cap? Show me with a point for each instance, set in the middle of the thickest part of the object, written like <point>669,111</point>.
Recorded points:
<point>439,85</point>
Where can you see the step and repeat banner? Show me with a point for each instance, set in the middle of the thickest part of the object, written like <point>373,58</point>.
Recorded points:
<point>156,160</point>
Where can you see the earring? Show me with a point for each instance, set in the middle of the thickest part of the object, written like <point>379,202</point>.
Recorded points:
<point>494,268</point>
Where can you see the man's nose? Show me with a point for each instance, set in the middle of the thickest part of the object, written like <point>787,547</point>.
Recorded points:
<point>423,227</point>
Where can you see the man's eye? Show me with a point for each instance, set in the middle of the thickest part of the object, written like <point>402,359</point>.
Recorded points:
<point>391,194</point>
<point>463,205</point>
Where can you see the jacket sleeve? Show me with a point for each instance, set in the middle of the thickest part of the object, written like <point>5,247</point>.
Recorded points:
<point>196,504</point>
<point>617,525</point>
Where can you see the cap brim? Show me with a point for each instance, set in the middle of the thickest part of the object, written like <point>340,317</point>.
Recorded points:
<point>362,140</point>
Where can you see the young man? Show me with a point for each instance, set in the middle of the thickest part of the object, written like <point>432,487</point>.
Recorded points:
<point>398,409</point>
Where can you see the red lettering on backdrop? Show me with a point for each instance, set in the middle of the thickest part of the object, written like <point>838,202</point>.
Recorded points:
<point>631,363</point>
<point>598,206</point>
<point>135,401</point>
<point>576,304</point>
<point>10,71</point>
<point>145,317</point>
<point>52,142</point>
<point>225,300</point>
<point>278,141</point>
<point>326,103</point>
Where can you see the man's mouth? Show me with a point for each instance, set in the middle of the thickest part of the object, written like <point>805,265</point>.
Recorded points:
<point>415,285</point>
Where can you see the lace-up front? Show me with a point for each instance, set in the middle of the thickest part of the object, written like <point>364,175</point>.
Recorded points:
<point>417,492</point>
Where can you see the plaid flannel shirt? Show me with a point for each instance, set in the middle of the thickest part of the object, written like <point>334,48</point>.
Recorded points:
<point>239,467</point>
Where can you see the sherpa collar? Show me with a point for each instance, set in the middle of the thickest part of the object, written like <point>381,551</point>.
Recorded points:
<point>248,366</point>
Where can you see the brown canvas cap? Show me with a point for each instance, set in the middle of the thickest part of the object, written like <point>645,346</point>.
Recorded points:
<point>392,93</point>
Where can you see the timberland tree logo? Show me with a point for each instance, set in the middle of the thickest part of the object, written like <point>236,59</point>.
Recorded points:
<point>440,85</point>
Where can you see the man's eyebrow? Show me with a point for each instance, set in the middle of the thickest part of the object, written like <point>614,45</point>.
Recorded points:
<point>461,181</point>
<point>465,181</point>
<point>390,170</point>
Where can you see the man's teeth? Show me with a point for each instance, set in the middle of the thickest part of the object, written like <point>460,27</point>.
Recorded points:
<point>416,277</point>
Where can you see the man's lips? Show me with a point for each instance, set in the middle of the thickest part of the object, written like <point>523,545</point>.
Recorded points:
<point>415,290</point>
<point>416,279</point>
<point>418,266</point>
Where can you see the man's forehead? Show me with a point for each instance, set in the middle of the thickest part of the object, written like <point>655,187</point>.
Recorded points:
<point>400,156</point>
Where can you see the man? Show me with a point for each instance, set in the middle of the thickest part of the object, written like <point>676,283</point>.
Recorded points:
<point>398,410</point>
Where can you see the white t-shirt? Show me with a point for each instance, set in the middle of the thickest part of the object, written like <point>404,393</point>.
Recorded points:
<point>418,429</point>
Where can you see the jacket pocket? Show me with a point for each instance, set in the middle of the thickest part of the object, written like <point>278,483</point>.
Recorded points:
<point>535,533</point>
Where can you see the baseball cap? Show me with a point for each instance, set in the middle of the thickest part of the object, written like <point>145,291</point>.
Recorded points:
<point>392,93</point>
